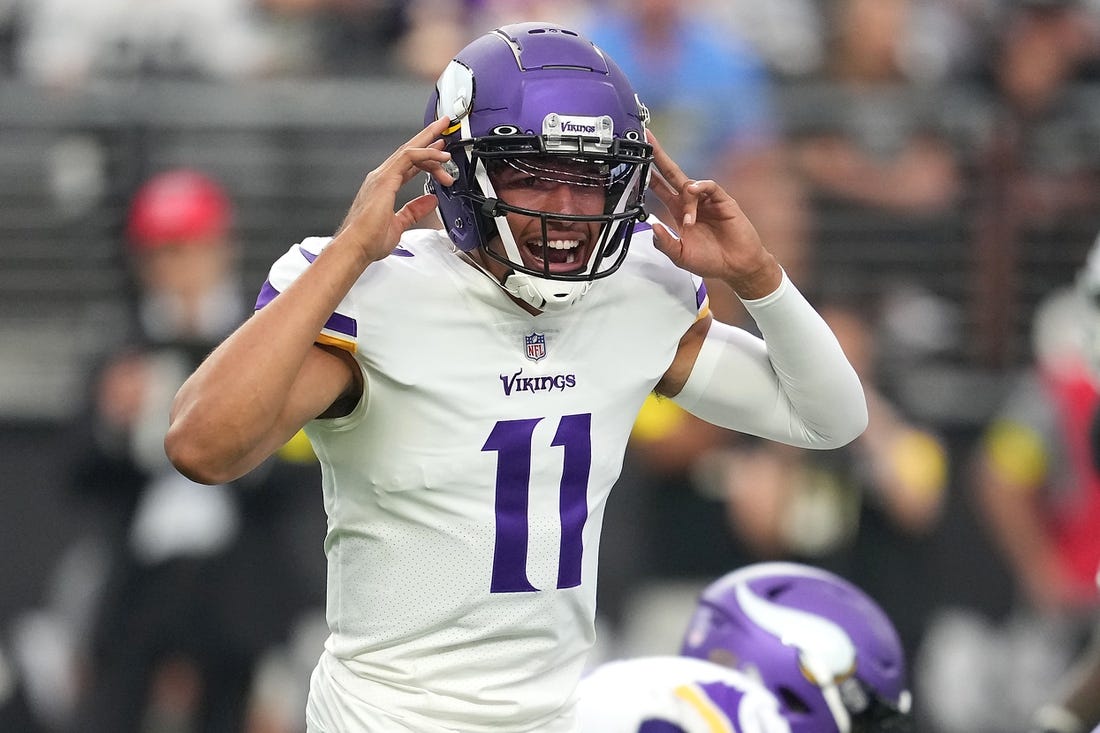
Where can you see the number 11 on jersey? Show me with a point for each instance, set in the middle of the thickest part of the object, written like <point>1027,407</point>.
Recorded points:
<point>513,442</point>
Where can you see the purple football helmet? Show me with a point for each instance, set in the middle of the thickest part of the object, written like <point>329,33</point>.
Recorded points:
<point>542,100</point>
<point>822,645</point>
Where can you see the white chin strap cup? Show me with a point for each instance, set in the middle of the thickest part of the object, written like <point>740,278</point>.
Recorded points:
<point>546,295</point>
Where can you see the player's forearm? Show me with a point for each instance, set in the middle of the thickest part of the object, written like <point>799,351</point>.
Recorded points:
<point>233,411</point>
<point>795,386</point>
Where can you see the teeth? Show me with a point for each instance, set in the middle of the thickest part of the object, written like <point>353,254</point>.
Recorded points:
<point>557,243</point>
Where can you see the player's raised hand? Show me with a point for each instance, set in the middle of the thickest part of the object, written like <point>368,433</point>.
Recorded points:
<point>716,239</point>
<point>371,219</point>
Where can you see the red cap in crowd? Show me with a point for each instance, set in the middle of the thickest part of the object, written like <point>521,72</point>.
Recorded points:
<point>177,206</point>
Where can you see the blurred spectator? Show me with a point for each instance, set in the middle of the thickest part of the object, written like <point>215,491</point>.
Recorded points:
<point>437,29</point>
<point>201,581</point>
<point>873,148</point>
<point>65,43</point>
<point>1037,177</point>
<point>788,34</point>
<point>867,511</point>
<point>938,41</point>
<point>338,37</point>
<point>855,156</point>
<point>1033,468</point>
<point>1075,704</point>
<point>1039,494</point>
<point>434,31</point>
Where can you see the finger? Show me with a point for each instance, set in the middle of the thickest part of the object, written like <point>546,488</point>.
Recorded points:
<point>689,201</point>
<point>704,188</point>
<point>430,160</point>
<point>445,172</point>
<point>666,241</point>
<point>666,165</point>
<point>429,134</point>
<point>669,197</point>
<point>415,210</point>
<point>429,156</point>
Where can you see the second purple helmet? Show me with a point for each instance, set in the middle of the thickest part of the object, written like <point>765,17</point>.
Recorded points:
<point>818,642</point>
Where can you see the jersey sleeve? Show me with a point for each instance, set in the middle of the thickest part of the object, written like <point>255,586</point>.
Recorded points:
<point>341,329</point>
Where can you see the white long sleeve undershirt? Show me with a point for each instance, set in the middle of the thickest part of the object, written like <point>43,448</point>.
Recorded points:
<point>794,385</point>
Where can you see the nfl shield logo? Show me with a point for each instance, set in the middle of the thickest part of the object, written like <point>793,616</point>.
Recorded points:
<point>536,346</point>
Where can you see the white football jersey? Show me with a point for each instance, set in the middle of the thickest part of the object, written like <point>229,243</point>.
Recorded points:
<point>465,493</point>
<point>664,694</point>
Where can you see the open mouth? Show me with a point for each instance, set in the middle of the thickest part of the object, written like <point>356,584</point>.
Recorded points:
<point>561,255</point>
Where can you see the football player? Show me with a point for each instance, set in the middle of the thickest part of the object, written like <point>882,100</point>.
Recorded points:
<point>470,390</point>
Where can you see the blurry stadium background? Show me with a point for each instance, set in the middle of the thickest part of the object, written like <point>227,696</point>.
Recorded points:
<point>293,150</point>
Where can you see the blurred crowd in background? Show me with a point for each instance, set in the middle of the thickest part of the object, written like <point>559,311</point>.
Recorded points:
<point>928,171</point>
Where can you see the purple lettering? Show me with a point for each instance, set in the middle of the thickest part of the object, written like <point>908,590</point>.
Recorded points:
<point>519,383</point>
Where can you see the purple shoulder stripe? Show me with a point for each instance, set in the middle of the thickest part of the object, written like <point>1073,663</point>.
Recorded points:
<point>340,323</point>
<point>643,226</point>
<point>700,294</point>
<point>267,294</point>
<point>337,322</point>
<point>397,251</point>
